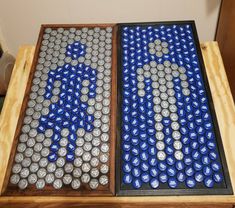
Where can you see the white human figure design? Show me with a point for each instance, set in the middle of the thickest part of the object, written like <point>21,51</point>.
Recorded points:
<point>162,76</point>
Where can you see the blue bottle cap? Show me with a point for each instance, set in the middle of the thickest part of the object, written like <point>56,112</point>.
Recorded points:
<point>199,177</point>
<point>189,171</point>
<point>209,182</point>
<point>149,105</point>
<point>154,183</point>
<point>183,121</point>
<point>144,166</point>
<point>200,130</point>
<point>193,135</point>
<point>169,140</point>
<point>203,150</point>
<point>70,157</point>
<point>126,94</point>
<point>151,131</point>
<point>135,151</point>
<point>198,121</point>
<point>197,165</point>
<point>126,167</point>
<point>153,161</point>
<point>54,147</point>
<point>218,178</point>
<point>143,136</point>
<point>141,109</point>
<point>126,118</point>
<point>186,150</point>
<point>162,166</point>
<point>215,166</point>
<point>167,131</point>
<point>171,171</point>
<point>213,155</point>
<point>190,182</point>
<point>211,145</point>
<point>188,108</point>
<point>172,183</point>
<point>57,128</point>
<point>126,146</point>
<point>150,123</point>
<point>136,172</point>
<point>205,160</point>
<point>208,125</point>
<point>125,127</point>
<point>181,177</point>
<point>71,147</point>
<point>169,150</point>
<point>195,154</point>
<point>52,157</point>
<point>204,108</point>
<point>163,177</point>
<point>188,160</point>
<point>205,116</point>
<point>154,171</point>
<point>143,146</point>
<point>170,160</point>
<point>134,141</point>
<point>195,104</point>
<point>51,115</point>
<point>137,183</point>
<point>127,179</point>
<point>191,125</point>
<point>201,139</point>
<point>72,138</point>
<point>151,141</point>
<point>142,118</point>
<point>126,136</point>
<point>126,156</point>
<point>210,135</point>
<point>145,177</point>
<point>134,105</point>
<point>135,132</point>
<point>141,126</point>
<point>184,130</point>
<point>194,144</point>
<point>181,112</point>
<point>152,151</point>
<point>207,171</point>
<point>190,117</point>
<point>134,113</point>
<point>166,121</point>
<point>185,140</point>
<point>135,161</point>
<point>179,165</point>
<point>55,137</point>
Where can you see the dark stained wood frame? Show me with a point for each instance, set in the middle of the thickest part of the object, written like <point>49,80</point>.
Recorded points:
<point>108,190</point>
<point>225,36</point>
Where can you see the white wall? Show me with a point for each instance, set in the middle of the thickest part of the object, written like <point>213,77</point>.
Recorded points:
<point>20,20</point>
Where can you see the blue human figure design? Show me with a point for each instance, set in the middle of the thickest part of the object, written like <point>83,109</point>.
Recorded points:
<point>74,85</point>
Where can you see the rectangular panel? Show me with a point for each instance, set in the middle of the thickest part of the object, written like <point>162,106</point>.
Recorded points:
<point>65,140</point>
<point>168,137</point>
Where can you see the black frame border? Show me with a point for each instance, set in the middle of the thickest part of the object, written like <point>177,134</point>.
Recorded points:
<point>169,192</point>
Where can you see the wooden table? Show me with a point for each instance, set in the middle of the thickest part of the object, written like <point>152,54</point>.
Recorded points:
<point>225,111</point>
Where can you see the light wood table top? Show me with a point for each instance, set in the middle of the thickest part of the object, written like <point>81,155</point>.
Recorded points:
<point>225,111</point>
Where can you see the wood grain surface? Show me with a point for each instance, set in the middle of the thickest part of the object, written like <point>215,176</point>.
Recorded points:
<point>223,101</point>
<point>225,111</point>
<point>12,105</point>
